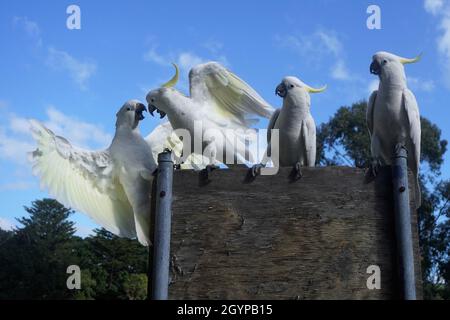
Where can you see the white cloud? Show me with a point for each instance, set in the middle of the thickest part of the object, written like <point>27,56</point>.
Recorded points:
<point>78,132</point>
<point>317,47</point>
<point>153,56</point>
<point>30,27</point>
<point>433,6</point>
<point>441,10</point>
<point>186,59</point>
<point>6,224</point>
<point>14,148</point>
<point>417,84</point>
<point>79,71</point>
<point>16,140</point>
<point>340,71</point>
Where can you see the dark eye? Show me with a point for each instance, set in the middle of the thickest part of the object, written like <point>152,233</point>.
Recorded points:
<point>291,86</point>
<point>128,109</point>
<point>152,100</point>
<point>384,61</point>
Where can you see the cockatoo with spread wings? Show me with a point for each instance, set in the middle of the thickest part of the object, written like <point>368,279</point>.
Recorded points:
<point>112,186</point>
<point>217,114</point>
<point>393,115</point>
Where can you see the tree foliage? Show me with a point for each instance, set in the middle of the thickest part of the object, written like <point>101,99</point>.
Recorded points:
<point>34,259</point>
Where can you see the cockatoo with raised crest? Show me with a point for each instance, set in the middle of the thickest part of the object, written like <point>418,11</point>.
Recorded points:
<point>393,115</point>
<point>112,186</point>
<point>296,128</point>
<point>220,106</point>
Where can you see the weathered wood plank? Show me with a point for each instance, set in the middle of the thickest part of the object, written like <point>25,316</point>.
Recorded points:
<point>272,239</point>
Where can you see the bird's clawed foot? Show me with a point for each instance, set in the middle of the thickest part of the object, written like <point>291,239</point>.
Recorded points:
<point>296,173</point>
<point>374,168</point>
<point>253,172</point>
<point>204,174</point>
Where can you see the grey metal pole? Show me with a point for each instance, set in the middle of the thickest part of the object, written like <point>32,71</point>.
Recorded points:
<point>403,223</point>
<point>162,223</point>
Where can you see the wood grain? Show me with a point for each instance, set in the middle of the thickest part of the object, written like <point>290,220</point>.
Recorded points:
<point>273,239</point>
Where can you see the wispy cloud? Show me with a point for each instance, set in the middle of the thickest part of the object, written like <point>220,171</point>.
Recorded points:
<point>418,84</point>
<point>79,71</point>
<point>16,140</point>
<point>6,224</point>
<point>185,59</point>
<point>78,132</point>
<point>433,6</point>
<point>318,46</point>
<point>440,9</point>
<point>30,27</point>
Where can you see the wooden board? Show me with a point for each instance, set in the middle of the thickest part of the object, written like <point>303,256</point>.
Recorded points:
<point>273,239</point>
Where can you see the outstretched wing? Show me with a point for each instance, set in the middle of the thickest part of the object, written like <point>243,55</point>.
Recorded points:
<point>225,95</point>
<point>82,180</point>
<point>369,113</point>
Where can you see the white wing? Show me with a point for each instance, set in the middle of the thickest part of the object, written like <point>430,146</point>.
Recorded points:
<point>225,95</point>
<point>160,139</point>
<point>308,134</point>
<point>82,180</point>
<point>413,116</point>
<point>163,137</point>
<point>369,113</point>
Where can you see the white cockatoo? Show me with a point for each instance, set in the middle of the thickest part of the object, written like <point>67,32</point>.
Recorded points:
<point>295,125</point>
<point>112,186</point>
<point>393,115</point>
<point>216,115</point>
<point>163,137</point>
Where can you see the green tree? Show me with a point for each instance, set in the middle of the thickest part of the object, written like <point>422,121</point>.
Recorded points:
<point>135,286</point>
<point>344,140</point>
<point>112,260</point>
<point>35,258</point>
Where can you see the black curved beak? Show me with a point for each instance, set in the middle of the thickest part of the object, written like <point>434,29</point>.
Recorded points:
<point>140,108</point>
<point>162,114</point>
<point>375,68</point>
<point>281,90</point>
<point>151,109</point>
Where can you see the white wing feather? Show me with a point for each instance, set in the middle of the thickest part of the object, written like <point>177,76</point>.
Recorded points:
<point>225,95</point>
<point>308,134</point>
<point>82,180</point>
<point>369,113</point>
<point>163,137</point>
<point>413,115</point>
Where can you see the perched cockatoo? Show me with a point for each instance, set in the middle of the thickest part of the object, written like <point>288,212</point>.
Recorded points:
<point>393,115</point>
<point>216,115</point>
<point>295,125</point>
<point>163,137</point>
<point>112,186</point>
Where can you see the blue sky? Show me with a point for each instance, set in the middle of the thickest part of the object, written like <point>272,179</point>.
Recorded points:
<point>75,80</point>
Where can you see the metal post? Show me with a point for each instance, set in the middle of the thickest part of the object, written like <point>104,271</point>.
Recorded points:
<point>403,223</point>
<point>162,223</point>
